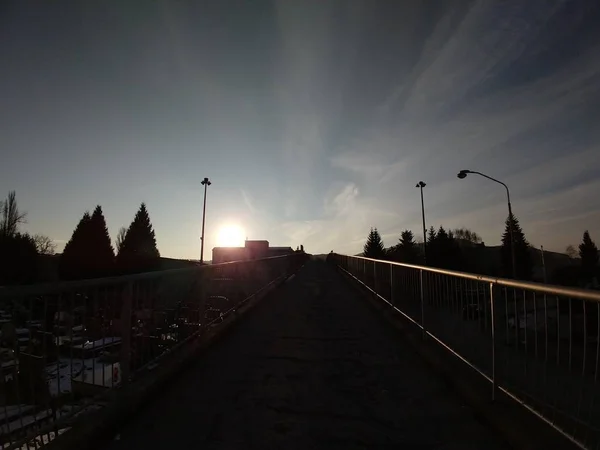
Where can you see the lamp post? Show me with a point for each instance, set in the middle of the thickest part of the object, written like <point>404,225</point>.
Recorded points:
<point>463,174</point>
<point>421,185</point>
<point>206,182</point>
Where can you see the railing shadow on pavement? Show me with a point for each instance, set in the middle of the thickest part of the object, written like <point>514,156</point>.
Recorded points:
<point>68,347</point>
<point>537,343</point>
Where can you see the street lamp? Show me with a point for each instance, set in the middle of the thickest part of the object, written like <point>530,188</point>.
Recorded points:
<point>463,174</point>
<point>421,185</point>
<point>206,182</point>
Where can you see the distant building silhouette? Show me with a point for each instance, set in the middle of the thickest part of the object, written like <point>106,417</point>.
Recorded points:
<point>251,250</point>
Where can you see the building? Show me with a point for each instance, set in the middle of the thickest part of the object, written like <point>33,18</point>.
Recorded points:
<point>251,250</point>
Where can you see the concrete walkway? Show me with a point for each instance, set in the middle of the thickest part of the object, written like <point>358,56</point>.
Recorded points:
<point>311,367</point>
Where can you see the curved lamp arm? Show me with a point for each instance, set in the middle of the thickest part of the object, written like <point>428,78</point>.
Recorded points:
<point>493,179</point>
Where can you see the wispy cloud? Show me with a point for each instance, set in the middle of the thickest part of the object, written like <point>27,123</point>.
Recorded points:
<point>457,109</point>
<point>315,119</point>
<point>248,202</point>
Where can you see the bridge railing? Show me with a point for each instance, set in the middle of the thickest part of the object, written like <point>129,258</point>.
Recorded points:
<point>66,346</point>
<point>538,343</point>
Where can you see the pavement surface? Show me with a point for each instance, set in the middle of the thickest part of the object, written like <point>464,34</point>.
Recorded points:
<point>311,367</point>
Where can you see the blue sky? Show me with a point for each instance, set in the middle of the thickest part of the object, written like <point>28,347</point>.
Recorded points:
<point>314,120</point>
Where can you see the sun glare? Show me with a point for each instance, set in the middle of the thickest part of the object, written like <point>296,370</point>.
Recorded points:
<point>231,236</point>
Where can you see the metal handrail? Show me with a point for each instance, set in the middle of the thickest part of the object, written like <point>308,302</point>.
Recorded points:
<point>583,294</point>
<point>62,286</point>
<point>522,329</point>
<point>152,314</point>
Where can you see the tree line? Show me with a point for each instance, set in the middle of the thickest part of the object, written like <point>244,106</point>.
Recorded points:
<point>18,249</point>
<point>450,249</point>
<point>88,254</point>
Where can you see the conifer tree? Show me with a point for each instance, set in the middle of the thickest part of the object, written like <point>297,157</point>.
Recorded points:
<point>139,252</point>
<point>374,246</point>
<point>73,258</point>
<point>99,247</point>
<point>406,250</point>
<point>588,252</point>
<point>523,260</point>
<point>89,253</point>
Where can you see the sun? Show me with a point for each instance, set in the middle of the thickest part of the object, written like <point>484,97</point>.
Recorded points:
<point>230,236</point>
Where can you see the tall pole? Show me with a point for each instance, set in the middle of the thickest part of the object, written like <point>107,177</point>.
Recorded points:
<point>206,182</point>
<point>421,185</point>
<point>463,174</point>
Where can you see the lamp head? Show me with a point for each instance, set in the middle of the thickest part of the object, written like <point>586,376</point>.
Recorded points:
<point>420,184</point>
<point>206,181</point>
<point>463,174</point>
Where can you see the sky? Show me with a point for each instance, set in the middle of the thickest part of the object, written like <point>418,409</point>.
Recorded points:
<point>314,120</point>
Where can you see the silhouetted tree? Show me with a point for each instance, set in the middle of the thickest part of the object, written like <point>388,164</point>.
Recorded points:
<point>571,252</point>
<point>89,253</point>
<point>72,264</point>
<point>443,251</point>
<point>374,246</point>
<point>431,234</point>
<point>467,235</point>
<point>523,261</point>
<point>11,216</point>
<point>101,256</point>
<point>406,250</point>
<point>44,245</point>
<point>588,252</point>
<point>18,254</point>
<point>139,252</point>
<point>18,259</point>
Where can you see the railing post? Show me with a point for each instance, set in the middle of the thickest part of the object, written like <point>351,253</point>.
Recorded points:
<point>493,328</point>
<point>392,284</point>
<point>422,303</point>
<point>126,332</point>
<point>375,277</point>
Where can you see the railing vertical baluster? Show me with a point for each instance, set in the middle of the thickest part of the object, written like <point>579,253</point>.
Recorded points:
<point>596,368</point>
<point>535,326</point>
<point>493,334</point>
<point>545,330</point>
<point>558,386</point>
<point>392,300</point>
<point>422,303</point>
<point>525,328</point>
<point>570,336</point>
<point>507,338</point>
<point>583,363</point>
<point>126,332</point>
<point>516,322</point>
<point>375,277</point>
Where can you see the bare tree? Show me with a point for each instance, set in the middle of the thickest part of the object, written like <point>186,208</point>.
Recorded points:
<point>120,238</point>
<point>571,252</point>
<point>11,216</point>
<point>44,245</point>
<point>467,235</point>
